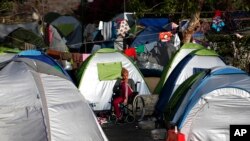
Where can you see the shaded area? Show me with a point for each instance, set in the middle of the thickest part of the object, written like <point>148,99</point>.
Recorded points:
<point>126,132</point>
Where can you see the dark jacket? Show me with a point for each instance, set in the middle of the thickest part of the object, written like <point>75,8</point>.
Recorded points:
<point>117,86</point>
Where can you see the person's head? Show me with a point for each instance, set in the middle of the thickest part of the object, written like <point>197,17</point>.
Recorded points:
<point>124,73</point>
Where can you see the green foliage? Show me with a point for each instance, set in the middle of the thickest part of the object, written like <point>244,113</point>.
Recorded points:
<point>234,50</point>
<point>6,5</point>
<point>184,8</point>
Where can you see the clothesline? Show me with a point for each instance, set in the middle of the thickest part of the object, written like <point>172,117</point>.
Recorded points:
<point>91,42</point>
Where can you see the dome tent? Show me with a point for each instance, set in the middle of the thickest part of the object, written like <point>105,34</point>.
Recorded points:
<point>205,106</point>
<point>42,108</point>
<point>175,59</point>
<point>193,63</point>
<point>98,74</point>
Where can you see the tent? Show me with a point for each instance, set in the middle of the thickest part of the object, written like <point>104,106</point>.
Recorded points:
<point>217,98</point>
<point>50,17</point>
<point>98,74</point>
<point>6,29</point>
<point>37,105</point>
<point>37,55</point>
<point>193,63</point>
<point>7,53</point>
<point>155,56</point>
<point>55,40</point>
<point>71,29</point>
<point>20,36</point>
<point>6,56</point>
<point>147,35</point>
<point>174,60</point>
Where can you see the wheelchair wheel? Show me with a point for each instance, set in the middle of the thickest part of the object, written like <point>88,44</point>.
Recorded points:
<point>130,119</point>
<point>112,118</point>
<point>138,108</point>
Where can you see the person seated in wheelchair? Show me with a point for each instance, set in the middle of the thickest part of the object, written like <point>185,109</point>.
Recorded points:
<point>124,90</point>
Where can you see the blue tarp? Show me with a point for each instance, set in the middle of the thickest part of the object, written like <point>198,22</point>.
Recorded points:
<point>148,35</point>
<point>156,22</point>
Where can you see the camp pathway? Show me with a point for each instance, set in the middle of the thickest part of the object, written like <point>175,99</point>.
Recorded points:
<point>126,132</point>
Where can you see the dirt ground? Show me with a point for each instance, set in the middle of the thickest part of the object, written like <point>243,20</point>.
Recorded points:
<point>126,132</point>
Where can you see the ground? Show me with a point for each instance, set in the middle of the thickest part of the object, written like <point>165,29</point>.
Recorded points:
<point>126,132</point>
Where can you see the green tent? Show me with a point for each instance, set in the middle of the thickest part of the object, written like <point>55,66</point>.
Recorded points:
<point>175,59</point>
<point>19,37</point>
<point>98,74</point>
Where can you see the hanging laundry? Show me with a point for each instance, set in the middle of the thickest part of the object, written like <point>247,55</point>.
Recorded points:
<point>165,36</point>
<point>131,52</point>
<point>218,23</point>
<point>123,28</point>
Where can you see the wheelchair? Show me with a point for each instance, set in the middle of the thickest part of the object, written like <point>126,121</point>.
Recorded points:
<point>133,111</point>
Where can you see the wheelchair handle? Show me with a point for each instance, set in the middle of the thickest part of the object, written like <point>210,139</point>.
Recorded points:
<point>136,86</point>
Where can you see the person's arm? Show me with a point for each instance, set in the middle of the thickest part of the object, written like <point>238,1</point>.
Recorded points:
<point>126,93</point>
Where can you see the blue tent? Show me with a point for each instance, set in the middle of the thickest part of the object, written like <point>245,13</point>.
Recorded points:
<point>34,54</point>
<point>216,99</point>
<point>153,26</point>
<point>193,63</point>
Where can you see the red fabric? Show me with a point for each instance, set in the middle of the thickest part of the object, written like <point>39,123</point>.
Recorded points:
<point>165,36</point>
<point>218,13</point>
<point>172,136</point>
<point>49,34</point>
<point>121,98</point>
<point>131,52</point>
<point>116,103</point>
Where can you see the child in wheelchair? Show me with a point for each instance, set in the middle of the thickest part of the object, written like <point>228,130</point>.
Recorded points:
<point>124,92</point>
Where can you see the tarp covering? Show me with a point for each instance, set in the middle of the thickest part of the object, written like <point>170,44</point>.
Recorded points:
<point>148,35</point>
<point>155,22</point>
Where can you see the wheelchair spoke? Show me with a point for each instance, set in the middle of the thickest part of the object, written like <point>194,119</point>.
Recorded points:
<point>138,108</point>
<point>130,119</point>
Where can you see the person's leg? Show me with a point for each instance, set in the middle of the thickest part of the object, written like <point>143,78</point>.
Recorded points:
<point>116,103</point>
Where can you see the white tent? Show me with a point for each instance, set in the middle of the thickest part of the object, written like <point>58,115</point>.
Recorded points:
<point>194,62</point>
<point>179,55</point>
<point>6,56</point>
<point>215,101</point>
<point>36,105</point>
<point>99,92</point>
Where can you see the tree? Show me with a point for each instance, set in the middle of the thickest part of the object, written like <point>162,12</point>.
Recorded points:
<point>191,9</point>
<point>194,22</point>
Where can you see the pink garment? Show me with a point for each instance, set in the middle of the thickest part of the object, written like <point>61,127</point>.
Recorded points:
<point>126,90</point>
<point>50,34</point>
<point>85,56</point>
